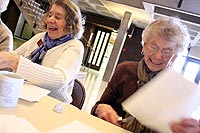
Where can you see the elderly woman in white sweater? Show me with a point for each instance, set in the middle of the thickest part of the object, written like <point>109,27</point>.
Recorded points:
<point>53,58</point>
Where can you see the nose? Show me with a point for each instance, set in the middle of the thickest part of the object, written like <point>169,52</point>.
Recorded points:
<point>51,19</point>
<point>158,54</point>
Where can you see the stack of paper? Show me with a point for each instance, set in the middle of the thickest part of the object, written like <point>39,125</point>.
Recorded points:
<point>13,124</point>
<point>166,98</point>
<point>32,93</point>
<point>74,127</point>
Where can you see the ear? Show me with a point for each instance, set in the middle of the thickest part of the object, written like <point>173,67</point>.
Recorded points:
<point>68,29</point>
<point>143,51</point>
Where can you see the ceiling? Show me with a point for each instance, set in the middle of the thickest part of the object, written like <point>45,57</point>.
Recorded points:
<point>144,11</point>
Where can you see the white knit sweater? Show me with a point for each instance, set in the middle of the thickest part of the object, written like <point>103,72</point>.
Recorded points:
<point>58,70</point>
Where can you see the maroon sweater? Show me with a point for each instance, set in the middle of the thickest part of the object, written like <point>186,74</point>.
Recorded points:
<point>122,84</point>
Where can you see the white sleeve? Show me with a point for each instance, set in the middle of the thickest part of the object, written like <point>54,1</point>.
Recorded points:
<point>42,76</point>
<point>61,73</point>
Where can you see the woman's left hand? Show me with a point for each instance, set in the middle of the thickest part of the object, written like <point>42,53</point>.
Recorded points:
<point>8,61</point>
<point>187,125</point>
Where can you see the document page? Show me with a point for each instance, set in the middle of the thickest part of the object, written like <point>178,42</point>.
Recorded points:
<point>166,98</point>
<point>13,124</point>
<point>74,127</point>
<point>32,93</point>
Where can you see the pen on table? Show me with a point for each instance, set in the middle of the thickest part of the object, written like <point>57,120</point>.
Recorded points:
<point>125,120</point>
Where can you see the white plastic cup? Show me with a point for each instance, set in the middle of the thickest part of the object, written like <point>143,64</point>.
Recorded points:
<point>10,87</point>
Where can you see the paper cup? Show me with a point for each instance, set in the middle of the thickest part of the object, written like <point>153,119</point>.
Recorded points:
<point>10,87</point>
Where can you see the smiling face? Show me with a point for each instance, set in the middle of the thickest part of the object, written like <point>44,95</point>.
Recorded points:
<point>56,23</point>
<point>158,53</point>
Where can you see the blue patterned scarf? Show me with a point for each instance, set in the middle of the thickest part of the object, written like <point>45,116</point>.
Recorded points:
<point>38,54</point>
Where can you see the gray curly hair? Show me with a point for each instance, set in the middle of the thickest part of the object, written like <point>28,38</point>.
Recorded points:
<point>169,28</point>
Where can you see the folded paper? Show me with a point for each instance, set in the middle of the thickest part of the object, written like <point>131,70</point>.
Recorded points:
<point>166,98</point>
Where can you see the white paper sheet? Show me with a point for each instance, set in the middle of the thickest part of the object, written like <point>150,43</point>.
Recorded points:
<point>166,98</point>
<point>12,124</point>
<point>32,93</point>
<point>74,127</point>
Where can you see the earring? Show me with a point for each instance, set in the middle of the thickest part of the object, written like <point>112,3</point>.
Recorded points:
<point>142,52</point>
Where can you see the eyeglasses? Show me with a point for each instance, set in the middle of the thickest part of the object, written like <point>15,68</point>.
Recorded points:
<point>166,52</point>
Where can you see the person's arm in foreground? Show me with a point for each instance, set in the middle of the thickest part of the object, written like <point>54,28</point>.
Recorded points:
<point>8,61</point>
<point>103,108</point>
<point>118,89</point>
<point>53,77</point>
<point>106,112</point>
<point>6,40</point>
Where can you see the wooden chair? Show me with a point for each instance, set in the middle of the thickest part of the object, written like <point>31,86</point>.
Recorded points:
<point>78,94</point>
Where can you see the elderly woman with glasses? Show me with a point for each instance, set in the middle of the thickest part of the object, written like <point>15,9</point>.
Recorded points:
<point>162,41</point>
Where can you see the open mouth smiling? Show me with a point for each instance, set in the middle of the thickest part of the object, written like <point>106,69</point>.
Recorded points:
<point>52,28</point>
<point>155,62</point>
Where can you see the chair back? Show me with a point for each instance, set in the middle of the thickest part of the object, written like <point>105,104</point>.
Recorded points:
<point>78,94</point>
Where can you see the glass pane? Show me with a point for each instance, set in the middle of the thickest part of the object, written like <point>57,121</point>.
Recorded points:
<point>191,71</point>
<point>103,48</point>
<point>178,64</point>
<point>27,31</point>
<point>98,48</point>
<point>94,46</point>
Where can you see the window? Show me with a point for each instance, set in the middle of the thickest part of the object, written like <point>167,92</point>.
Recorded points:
<point>189,66</point>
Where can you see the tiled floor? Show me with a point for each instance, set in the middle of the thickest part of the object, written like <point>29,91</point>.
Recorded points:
<point>94,87</point>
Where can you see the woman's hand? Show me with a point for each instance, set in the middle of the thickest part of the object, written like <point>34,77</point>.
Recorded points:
<point>8,61</point>
<point>186,126</point>
<point>106,112</point>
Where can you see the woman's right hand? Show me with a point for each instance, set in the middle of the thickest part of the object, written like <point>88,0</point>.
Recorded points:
<point>106,112</point>
<point>187,125</point>
<point>8,61</point>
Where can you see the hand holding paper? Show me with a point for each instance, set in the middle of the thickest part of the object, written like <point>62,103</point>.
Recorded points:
<point>166,98</point>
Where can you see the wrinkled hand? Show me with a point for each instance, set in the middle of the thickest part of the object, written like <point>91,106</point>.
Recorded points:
<point>8,61</point>
<point>106,112</point>
<point>186,126</point>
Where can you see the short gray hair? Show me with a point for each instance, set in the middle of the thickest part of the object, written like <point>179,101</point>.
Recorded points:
<point>169,28</point>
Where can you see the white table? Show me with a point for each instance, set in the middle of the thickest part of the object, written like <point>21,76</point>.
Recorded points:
<point>41,115</point>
